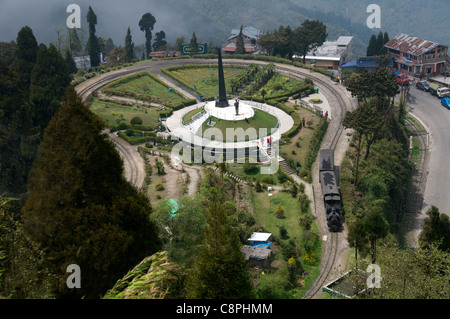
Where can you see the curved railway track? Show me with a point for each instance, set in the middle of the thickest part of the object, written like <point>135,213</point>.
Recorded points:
<point>339,101</point>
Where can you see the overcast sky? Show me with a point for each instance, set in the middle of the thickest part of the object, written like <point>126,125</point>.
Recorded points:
<point>114,17</point>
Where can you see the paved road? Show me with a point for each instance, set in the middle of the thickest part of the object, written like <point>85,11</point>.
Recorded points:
<point>437,120</point>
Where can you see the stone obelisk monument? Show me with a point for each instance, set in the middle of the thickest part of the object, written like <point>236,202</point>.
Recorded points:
<point>222,101</point>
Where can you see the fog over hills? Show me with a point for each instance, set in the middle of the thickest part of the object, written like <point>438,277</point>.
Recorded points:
<point>212,20</point>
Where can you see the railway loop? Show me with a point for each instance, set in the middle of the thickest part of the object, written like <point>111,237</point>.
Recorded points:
<point>340,102</point>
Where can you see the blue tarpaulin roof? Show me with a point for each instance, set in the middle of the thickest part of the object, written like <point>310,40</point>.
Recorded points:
<point>264,245</point>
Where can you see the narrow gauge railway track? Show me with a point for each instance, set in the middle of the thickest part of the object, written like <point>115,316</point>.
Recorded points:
<point>340,103</point>
<point>128,159</point>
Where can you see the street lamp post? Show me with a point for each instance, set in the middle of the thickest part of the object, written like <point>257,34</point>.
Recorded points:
<point>270,197</point>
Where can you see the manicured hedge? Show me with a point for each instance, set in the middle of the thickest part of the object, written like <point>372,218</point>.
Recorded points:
<point>135,140</point>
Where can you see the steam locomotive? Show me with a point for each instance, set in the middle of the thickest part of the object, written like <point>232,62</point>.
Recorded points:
<point>330,191</point>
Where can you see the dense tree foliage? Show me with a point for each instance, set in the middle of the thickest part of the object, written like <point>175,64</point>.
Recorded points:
<point>17,140</point>
<point>286,42</point>
<point>308,37</point>
<point>21,271</point>
<point>436,230</point>
<point>160,41</point>
<point>375,189</point>
<point>220,272</point>
<point>80,210</point>
<point>376,44</point>
<point>410,274</point>
<point>49,80</point>
<point>278,43</point>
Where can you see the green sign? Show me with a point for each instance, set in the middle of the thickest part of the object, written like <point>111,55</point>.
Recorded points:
<point>186,49</point>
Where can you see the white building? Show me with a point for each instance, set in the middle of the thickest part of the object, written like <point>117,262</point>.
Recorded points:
<point>331,55</point>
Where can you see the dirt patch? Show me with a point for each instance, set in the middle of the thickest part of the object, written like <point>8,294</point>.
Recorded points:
<point>177,182</point>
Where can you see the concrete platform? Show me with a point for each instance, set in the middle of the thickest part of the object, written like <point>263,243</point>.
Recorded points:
<point>229,113</point>
<point>245,148</point>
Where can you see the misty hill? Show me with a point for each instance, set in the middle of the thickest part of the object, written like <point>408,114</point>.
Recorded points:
<point>426,19</point>
<point>213,20</point>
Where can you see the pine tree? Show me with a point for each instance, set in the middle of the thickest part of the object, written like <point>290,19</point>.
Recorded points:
<point>193,50</point>
<point>220,272</point>
<point>74,42</point>
<point>26,55</point>
<point>93,45</point>
<point>49,80</point>
<point>240,46</point>
<point>129,46</point>
<point>71,67</point>
<point>380,44</point>
<point>372,48</point>
<point>80,210</point>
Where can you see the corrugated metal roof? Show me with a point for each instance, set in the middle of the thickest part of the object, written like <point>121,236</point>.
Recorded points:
<point>412,45</point>
<point>250,32</point>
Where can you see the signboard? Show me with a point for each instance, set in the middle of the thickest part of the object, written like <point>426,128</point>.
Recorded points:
<point>186,49</point>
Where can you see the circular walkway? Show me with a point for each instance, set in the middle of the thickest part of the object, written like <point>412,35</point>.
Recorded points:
<point>175,125</point>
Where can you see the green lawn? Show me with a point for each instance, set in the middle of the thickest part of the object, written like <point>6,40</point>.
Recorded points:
<point>277,85</point>
<point>264,209</point>
<point>204,79</point>
<point>143,85</point>
<point>113,112</point>
<point>297,147</point>
<point>260,120</point>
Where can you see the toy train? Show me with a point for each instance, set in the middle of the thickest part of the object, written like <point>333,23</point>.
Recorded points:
<point>330,191</point>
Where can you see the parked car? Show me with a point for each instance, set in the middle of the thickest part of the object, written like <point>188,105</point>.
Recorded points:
<point>443,92</point>
<point>402,79</point>
<point>423,85</point>
<point>446,102</point>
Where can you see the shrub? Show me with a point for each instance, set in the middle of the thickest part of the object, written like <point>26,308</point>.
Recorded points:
<point>279,213</point>
<point>159,187</point>
<point>268,180</point>
<point>136,121</point>
<point>282,177</point>
<point>258,186</point>
<point>283,232</point>
<point>249,167</point>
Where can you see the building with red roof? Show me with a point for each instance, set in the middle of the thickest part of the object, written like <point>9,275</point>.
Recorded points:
<point>418,57</point>
<point>251,36</point>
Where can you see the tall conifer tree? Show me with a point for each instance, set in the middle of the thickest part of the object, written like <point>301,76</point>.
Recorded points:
<point>93,47</point>
<point>220,272</point>
<point>80,210</point>
<point>129,46</point>
<point>26,55</point>
<point>240,46</point>
<point>49,80</point>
